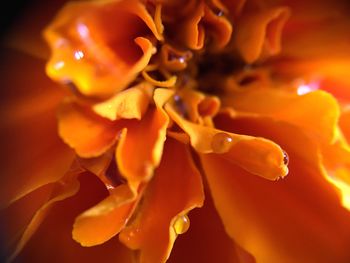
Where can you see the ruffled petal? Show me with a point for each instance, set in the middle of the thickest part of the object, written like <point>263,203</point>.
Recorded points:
<point>87,133</point>
<point>344,123</point>
<point>32,154</point>
<point>316,112</point>
<point>129,104</point>
<point>274,216</point>
<point>259,33</point>
<point>80,42</point>
<point>141,143</point>
<point>172,193</point>
<point>103,221</point>
<point>192,32</point>
<point>53,241</point>
<point>219,27</point>
<point>257,155</point>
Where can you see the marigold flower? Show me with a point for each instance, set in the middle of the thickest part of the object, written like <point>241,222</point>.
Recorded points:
<point>163,107</point>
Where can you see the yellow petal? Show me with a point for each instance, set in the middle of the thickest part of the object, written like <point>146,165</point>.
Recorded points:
<point>173,191</point>
<point>129,104</point>
<point>255,154</point>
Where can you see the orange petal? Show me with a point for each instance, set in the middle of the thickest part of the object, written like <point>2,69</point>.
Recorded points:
<point>32,154</point>
<point>268,219</point>
<point>60,190</point>
<point>103,221</point>
<point>54,235</point>
<point>206,241</point>
<point>191,32</point>
<point>174,59</point>
<point>257,155</point>
<point>316,112</point>
<point>259,34</point>
<point>81,38</point>
<point>219,27</point>
<point>141,143</point>
<point>174,190</point>
<point>310,23</point>
<point>88,134</point>
<point>129,104</point>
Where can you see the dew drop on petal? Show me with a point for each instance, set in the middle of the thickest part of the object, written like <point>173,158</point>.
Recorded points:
<point>221,142</point>
<point>78,55</point>
<point>285,158</point>
<point>181,224</point>
<point>219,12</point>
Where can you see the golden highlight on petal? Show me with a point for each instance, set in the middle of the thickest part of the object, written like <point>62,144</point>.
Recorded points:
<point>129,104</point>
<point>98,60</point>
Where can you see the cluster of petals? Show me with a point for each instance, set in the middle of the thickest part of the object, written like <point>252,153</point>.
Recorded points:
<point>172,105</point>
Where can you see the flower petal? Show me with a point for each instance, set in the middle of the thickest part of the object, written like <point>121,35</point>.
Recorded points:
<point>316,112</point>
<point>259,34</point>
<point>80,42</point>
<point>191,32</point>
<point>129,104</point>
<point>87,133</point>
<point>141,143</point>
<point>257,155</point>
<point>273,216</point>
<point>32,153</point>
<point>219,27</point>
<point>61,190</point>
<point>55,232</point>
<point>103,221</point>
<point>173,191</point>
<point>206,240</point>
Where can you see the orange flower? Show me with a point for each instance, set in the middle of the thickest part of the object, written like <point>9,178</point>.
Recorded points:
<point>168,103</point>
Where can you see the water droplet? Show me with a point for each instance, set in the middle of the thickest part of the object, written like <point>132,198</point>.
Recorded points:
<point>221,142</point>
<point>219,12</point>
<point>113,177</point>
<point>78,54</point>
<point>285,158</point>
<point>180,106</point>
<point>175,57</point>
<point>181,224</point>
